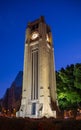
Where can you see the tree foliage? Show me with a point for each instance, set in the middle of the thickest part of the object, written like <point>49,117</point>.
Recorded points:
<point>69,86</point>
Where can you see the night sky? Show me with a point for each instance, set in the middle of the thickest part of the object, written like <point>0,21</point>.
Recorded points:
<point>64,17</point>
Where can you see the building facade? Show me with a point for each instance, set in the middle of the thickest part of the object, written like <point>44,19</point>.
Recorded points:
<point>39,83</point>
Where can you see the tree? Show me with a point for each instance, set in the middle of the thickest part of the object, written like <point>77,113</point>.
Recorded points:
<point>69,87</point>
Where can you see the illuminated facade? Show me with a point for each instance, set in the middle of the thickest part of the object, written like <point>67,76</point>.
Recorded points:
<point>39,83</point>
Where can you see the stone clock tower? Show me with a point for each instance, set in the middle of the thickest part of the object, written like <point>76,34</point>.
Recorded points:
<point>39,83</point>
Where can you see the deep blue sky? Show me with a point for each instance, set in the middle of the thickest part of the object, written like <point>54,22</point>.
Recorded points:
<point>64,17</point>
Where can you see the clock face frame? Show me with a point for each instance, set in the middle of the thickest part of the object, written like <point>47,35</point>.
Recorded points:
<point>34,35</point>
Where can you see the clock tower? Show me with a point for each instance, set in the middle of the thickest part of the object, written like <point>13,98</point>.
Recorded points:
<point>39,83</point>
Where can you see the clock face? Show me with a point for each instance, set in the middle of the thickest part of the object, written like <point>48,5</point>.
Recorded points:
<point>34,35</point>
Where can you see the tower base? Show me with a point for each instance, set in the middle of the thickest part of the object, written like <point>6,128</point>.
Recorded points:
<point>36,110</point>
